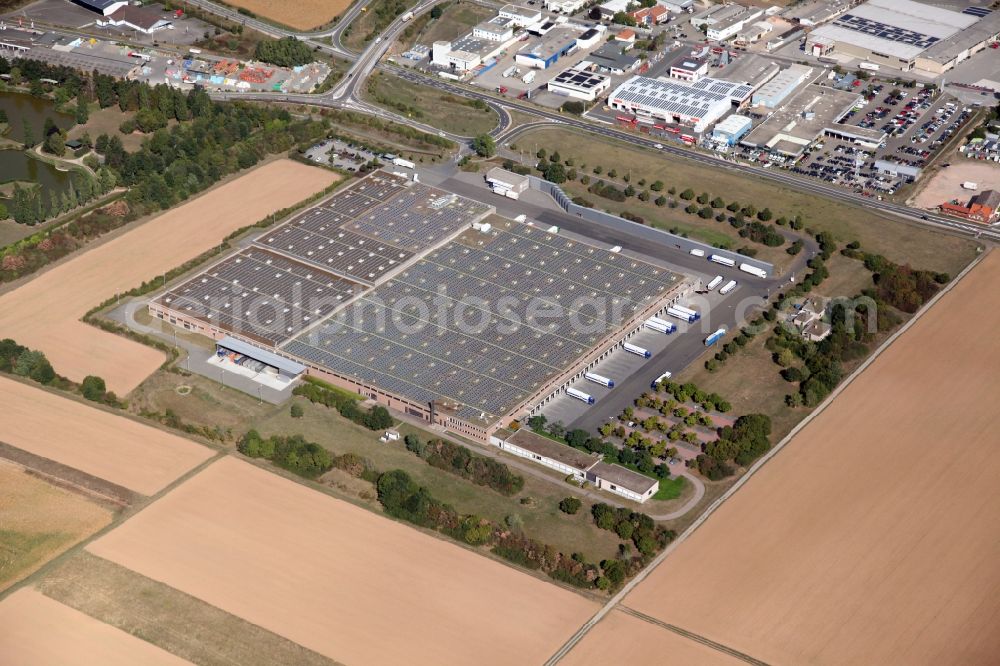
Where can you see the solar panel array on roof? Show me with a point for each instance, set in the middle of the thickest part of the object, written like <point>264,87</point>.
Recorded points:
<point>366,232</point>
<point>978,12</point>
<point>455,325</point>
<point>260,295</point>
<point>579,78</point>
<point>885,31</point>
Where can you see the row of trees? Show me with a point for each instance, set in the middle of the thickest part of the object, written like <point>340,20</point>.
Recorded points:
<point>284,52</point>
<point>648,537</point>
<point>32,364</point>
<point>462,462</point>
<point>376,417</point>
<point>29,205</point>
<point>741,444</point>
<point>293,453</point>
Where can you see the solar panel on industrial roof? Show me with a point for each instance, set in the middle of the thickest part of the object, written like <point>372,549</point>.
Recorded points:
<point>407,339</point>
<point>884,31</point>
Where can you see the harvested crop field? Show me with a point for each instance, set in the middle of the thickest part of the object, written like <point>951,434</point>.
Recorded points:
<point>39,631</point>
<point>623,639</point>
<point>337,579</point>
<point>94,441</point>
<point>45,313</point>
<point>874,536</point>
<point>38,521</point>
<point>301,15</point>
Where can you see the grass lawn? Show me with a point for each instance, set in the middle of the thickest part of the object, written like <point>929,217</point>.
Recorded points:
<point>537,504</point>
<point>848,277</point>
<point>749,380</point>
<point>429,105</point>
<point>670,489</point>
<point>168,618</point>
<point>457,20</point>
<point>897,240</point>
<point>370,23</point>
<point>106,121</point>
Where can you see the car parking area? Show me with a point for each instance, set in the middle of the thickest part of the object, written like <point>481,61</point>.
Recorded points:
<point>340,154</point>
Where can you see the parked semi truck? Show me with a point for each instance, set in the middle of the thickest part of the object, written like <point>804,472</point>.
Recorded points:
<point>660,326</point>
<point>599,379</point>
<point>683,313</point>
<point>728,287</point>
<point>580,395</point>
<point>716,281</point>
<point>637,350</point>
<point>719,259</point>
<point>715,337</point>
<point>529,77</point>
<point>399,161</point>
<point>662,378</point>
<point>753,270</point>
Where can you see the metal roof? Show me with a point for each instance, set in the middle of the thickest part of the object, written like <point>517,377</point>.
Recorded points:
<point>280,362</point>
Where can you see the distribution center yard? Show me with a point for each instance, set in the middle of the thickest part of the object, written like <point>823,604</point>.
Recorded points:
<point>874,537</point>
<point>38,521</point>
<point>903,243</point>
<point>301,14</point>
<point>40,632</point>
<point>45,313</point>
<point>359,588</point>
<point>94,441</point>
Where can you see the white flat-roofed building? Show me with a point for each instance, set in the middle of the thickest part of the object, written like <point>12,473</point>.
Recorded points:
<point>543,52</point>
<point>687,67</point>
<point>521,16</point>
<point>731,130</point>
<point>623,481</point>
<point>502,181</point>
<point>564,6</point>
<point>580,83</point>
<point>892,32</point>
<point>443,55</point>
<point>783,84</point>
<point>544,451</point>
<point>723,21</point>
<point>590,37</point>
<point>497,29</point>
<point>696,105</point>
<point>612,7</point>
<point>753,33</point>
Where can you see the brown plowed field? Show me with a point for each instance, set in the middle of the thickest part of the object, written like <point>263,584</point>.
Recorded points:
<point>623,639</point>
<point>38,631</point>
<point>301,14</point>
<point>94,441</point>
<point>874,537</point>
<point>45,313</point>
<point>335,578</point>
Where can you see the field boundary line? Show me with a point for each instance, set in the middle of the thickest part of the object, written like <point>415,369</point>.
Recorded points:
<point>714,506</point>
<point>124,516</point>
<point>698,638</point>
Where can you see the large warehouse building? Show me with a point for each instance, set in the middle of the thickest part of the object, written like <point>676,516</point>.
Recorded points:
<point>424,302</point>
<point>906,35</point>
<point>697,105</point>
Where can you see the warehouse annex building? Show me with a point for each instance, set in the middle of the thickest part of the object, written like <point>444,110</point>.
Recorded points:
<point>906,35</point>
<point>697,105</point>
<point>388,289</point>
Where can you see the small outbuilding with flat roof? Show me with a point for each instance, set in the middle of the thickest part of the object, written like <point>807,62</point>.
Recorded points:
<point>550,453</point>
<point>623,481</point>
<point>502,181</point>
<point>580,84</point>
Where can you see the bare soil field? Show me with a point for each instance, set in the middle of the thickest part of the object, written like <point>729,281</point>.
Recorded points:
<point>38,521</point>
<point>301,15</point>
<point>45,313</point>
<point>97,442</point>
<point>620,638</point>
<point>177,622</point>
<point>337,579</point>
<point>947,183</point>
<point>874,536</point>
<point>38,631</point>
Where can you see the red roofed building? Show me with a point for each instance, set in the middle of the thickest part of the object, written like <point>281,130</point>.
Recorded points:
<point>654,15</point>
<point>984,207</point>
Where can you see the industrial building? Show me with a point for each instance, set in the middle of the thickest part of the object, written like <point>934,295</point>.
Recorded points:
<point>611,58</point>
<point>580,465</point>
<point>813,112</point>
<point>781,86</point>
<point>905,35</point>
<point>897,169</point>
<point>723,21</point>
<point>543,52</point>
<point>590,37</point>
<point>580,83</point>
<point>983,207</point>
<point>387,289</point>
<point>507,183</point>
<point>816,12</point>
<point>102,7</point>
<point>522,17</point>
<point>753,33</point>
<point>143,19</point>
<point>445,54</point>
<point>497,29</point>
<point>729,132</point>
<point>697,105</point>
<point>564,6</point>
<point>686,66</point>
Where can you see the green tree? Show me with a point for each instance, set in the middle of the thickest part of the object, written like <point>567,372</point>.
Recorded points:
<point>484,145</point>
<point>29,135</point>
<point>82,111</point>
<point>570,505</point>
<point>296,411</point>
<point>55,144</point>
<point>93,388</point>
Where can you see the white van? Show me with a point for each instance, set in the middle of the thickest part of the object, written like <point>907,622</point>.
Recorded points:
<point>698,253</point>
